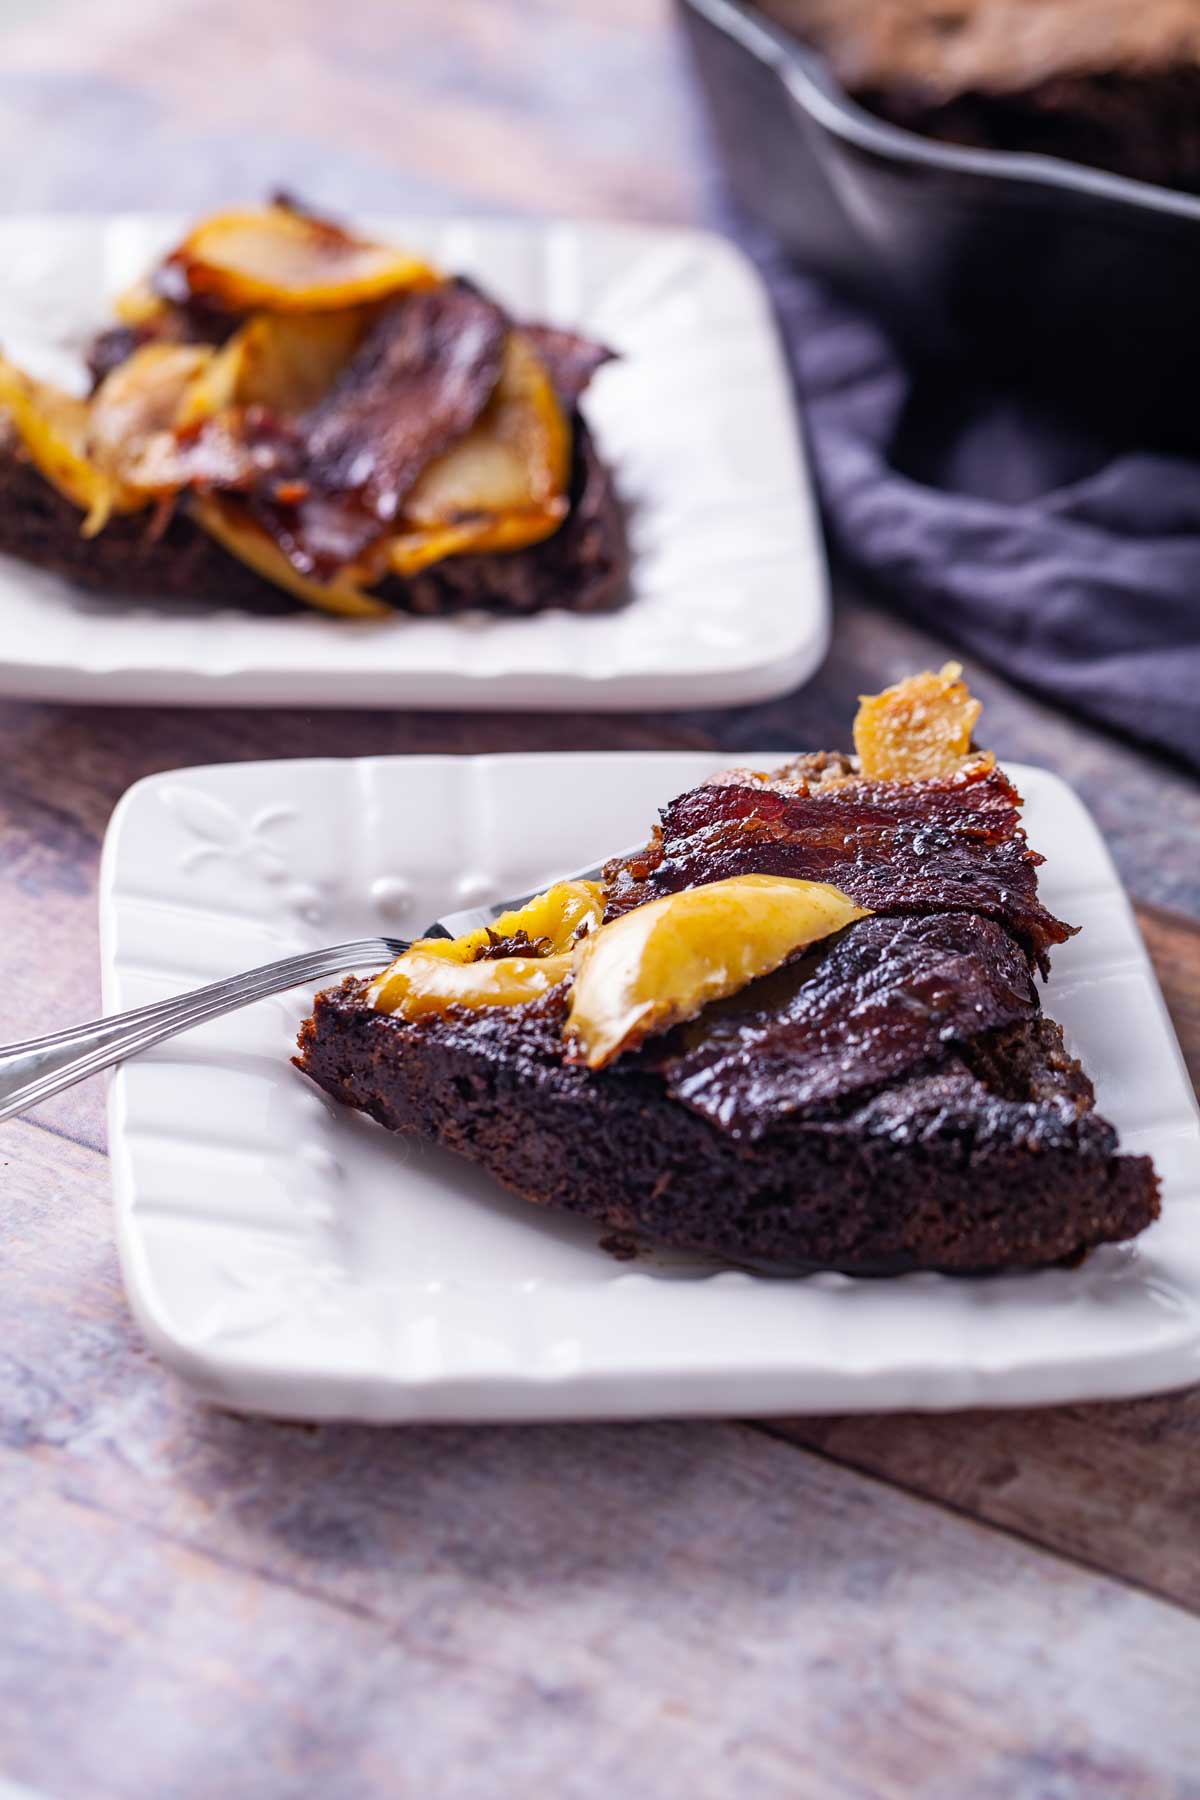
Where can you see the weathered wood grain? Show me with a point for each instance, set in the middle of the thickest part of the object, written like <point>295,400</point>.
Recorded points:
<point>1174,945</point>
<point>552,106</point>
<point>194,1604</point>
<point>1115,1486</point>
<point>204,1604</point>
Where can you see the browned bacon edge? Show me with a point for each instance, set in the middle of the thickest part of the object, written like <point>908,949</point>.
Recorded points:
<point>952,845</point>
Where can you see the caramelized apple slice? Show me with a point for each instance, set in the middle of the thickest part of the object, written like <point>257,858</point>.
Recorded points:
<point>54,428</point>
<point>139,305</point>
<point>144,418</point>
<point>119,449</point>
<point>557,918</point>
<point>423,982</point>
<point>236,531</point>
<point>283,363</point>
<point>504,484</point>
<point>437,973</point>
<point>920,729</point>
<point>138,405</point>
<point>665,961</point>
<point>286,361</point>
<point>271,258</point>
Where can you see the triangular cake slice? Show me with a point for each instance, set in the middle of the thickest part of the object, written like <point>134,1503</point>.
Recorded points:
<point>801,1029</point>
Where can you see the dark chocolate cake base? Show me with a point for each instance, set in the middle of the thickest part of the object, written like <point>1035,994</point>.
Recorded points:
<point>991,1159</point>
<point>581,568</point>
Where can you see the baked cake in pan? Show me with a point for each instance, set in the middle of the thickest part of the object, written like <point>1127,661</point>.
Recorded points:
<point>1105,82</point>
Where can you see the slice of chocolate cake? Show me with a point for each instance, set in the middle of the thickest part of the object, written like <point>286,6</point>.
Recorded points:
<point>291,414</point>
<point>800,1030</point>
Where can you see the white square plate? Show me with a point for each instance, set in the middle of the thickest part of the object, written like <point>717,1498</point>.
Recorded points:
<point>727,596</point>
<point>289,1256</point>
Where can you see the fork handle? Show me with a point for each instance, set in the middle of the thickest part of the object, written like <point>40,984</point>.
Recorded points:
<point>34,1070</point>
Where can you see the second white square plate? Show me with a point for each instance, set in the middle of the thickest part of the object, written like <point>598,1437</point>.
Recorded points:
<point>286,1255</point>
<point>727,598</point>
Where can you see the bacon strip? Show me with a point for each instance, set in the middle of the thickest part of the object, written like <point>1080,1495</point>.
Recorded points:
<point>888,997</point>
<point>419,382</point>
<point>955,845</point>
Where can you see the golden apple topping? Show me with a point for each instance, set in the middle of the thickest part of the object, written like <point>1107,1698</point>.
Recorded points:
<point>634,977</point>
<point>665,961</point>
<point>278,258</point>
<point>502,486</point>
<point>54,429</point>
<point>422,981</point>
<point>438,973</point>
<point>920,729</point>
<point>236,531</point>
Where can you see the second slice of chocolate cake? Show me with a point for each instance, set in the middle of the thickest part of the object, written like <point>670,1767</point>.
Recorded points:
<point>800,1030</point>
<point>290,414</point>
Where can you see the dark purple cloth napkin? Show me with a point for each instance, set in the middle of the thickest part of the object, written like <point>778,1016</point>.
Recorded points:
<point>1062,553</point>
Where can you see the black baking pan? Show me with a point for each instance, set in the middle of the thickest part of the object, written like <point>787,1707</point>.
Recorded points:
<point>1035,262</point>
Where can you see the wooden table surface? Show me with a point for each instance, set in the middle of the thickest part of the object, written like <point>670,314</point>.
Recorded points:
<point>193,1604</point>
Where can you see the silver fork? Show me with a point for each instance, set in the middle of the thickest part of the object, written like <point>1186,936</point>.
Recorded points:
<point>34,1070</point>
